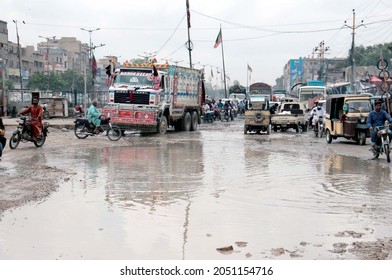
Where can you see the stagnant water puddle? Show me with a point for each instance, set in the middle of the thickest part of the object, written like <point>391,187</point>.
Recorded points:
<point>183,196</point>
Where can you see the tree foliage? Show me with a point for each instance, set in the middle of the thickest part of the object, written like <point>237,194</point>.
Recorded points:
<point>8,83</point>
<point>64,82</point>
<point>367,56</point>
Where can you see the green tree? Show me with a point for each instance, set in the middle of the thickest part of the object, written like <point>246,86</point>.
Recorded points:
<point>65,82</point>
<point>8,83</point>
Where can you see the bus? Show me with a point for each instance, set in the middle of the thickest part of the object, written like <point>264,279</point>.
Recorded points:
<point>308,94</point>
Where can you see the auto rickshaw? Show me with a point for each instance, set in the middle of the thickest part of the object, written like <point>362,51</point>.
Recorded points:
<point>346,116</point>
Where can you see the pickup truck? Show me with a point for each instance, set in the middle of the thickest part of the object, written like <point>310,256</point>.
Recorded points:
<point>290,115</point>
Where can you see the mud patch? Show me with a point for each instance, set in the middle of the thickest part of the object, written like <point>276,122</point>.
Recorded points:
<point>32,184</point>
<point>381,249</point>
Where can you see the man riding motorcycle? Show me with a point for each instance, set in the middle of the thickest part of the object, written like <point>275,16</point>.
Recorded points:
<point>377,117</point>
<point>316,113</point>
<point>35,124</point>
<point>95,117</point>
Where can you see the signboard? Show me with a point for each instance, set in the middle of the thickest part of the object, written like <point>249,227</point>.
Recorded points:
<point>296,71</point>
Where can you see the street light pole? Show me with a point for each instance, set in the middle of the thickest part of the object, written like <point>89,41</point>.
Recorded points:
<point>90,46</point>
<point>20,63</point>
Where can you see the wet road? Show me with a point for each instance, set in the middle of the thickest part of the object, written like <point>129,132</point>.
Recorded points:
<point>183,195</point>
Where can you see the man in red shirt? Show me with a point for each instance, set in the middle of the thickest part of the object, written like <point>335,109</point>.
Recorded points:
<point>36,113</point>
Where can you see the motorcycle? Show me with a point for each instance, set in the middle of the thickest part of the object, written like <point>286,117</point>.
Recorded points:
<point>382,142</point>
<point>227,114</point>
<point>83,129</point>
<point>319,128</point>
<point>23,134</point>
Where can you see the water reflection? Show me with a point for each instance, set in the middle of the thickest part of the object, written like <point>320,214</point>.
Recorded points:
<point>152,174</point>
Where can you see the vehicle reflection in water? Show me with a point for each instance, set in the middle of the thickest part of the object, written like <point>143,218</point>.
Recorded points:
<point>152,174</point>
<point>182,195</point>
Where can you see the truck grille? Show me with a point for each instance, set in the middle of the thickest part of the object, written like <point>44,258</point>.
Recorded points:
<point>137,98</point>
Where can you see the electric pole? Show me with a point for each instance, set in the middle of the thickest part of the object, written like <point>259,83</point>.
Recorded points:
<point>91,66</point>
<point>321,48</point>
<point>353,27</point>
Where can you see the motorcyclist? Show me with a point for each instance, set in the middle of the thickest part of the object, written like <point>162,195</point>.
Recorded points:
<point>94,116</point>
<point>377,117</point>
<point>220,104</point>
<point>227,107</point>
<point>35,124</point>
<point>317,112</point>
<point>3,140</point>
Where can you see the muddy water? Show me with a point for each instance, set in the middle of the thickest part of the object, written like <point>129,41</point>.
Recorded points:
<point>183,195</point>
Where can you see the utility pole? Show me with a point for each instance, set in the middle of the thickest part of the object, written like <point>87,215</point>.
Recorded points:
<point>321,55</point>
<point>19,54</point>
<point>90,31</point>
<point>353,27</point>
<point>3,71</point>
<point>47,56</point>
<point>189,43</point>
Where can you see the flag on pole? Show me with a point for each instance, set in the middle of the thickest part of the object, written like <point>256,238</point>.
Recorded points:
<point>94,67</point>
<point>188,13</point>
<point>250,69</point>
<point>218,39</point>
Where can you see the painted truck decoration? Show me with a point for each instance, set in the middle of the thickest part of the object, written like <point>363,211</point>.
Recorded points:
<point>152,97</point>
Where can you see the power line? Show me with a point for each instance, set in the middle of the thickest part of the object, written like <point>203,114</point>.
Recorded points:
<point>175,30</point>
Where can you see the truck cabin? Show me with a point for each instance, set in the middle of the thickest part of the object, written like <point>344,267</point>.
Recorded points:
<point>137,86</point>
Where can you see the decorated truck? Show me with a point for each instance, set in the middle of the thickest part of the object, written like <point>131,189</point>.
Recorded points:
<point>153,97</point>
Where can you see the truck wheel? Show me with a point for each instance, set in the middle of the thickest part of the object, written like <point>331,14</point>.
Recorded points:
<point>305,127</point>
<point>245,130</point>
<point>162,127</point>
<point>194,121</point>
<point>297,128</point>
<point>275,128</point>
<point>186,122</point>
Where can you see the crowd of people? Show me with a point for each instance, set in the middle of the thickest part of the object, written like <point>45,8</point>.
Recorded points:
<point>214,109</point>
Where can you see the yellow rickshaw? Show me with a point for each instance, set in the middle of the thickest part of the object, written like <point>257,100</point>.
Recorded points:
<point>346,116</point>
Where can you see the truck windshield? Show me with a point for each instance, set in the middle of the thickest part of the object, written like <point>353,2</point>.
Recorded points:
<point>357,106</point>
<point>134,79</point>
<point>306,95</point>
<point>257,99</point>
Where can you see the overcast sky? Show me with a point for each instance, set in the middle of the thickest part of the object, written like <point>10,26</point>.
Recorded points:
<point>264,34</point>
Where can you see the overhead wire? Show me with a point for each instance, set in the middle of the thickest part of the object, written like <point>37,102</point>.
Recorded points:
<point>175,30</point>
